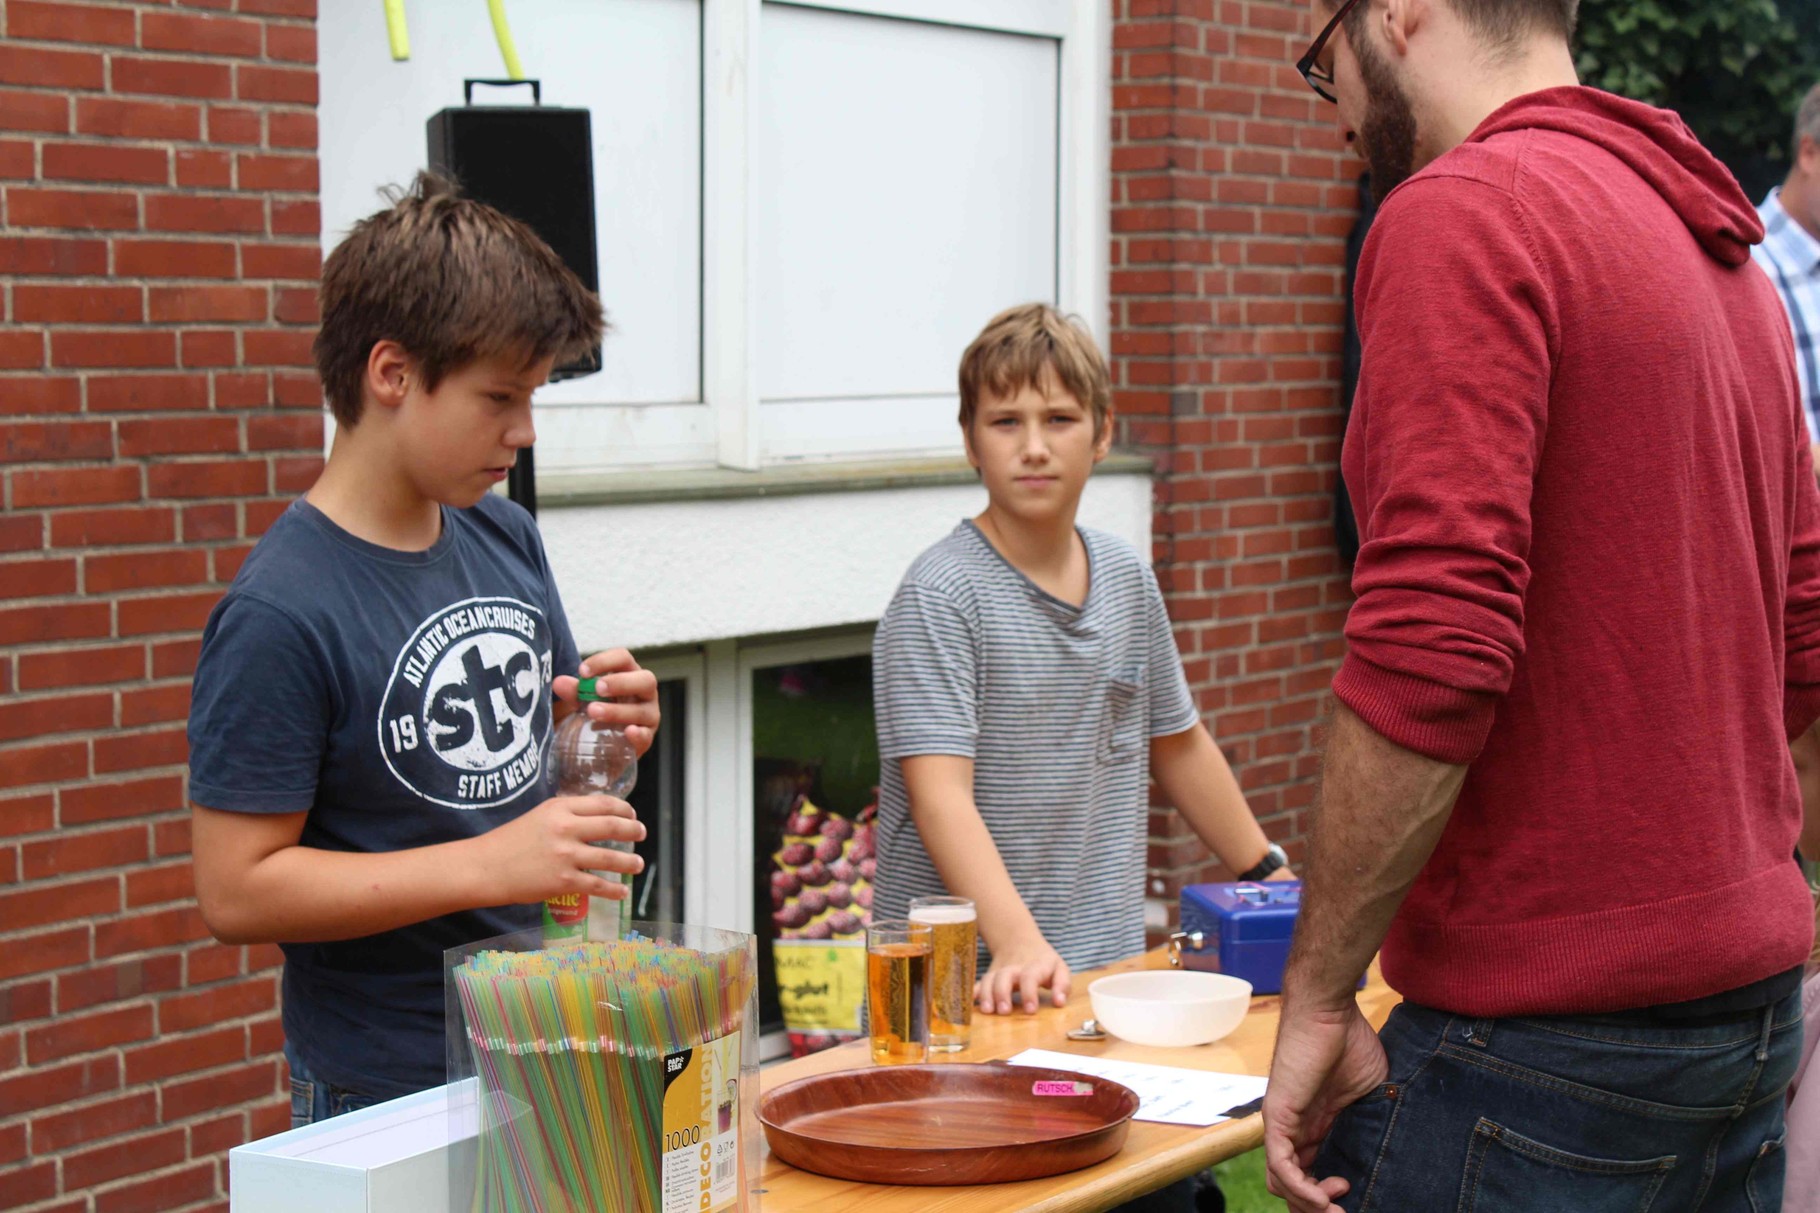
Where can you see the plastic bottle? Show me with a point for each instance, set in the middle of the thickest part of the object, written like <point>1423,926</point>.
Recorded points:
<point>590,759</point>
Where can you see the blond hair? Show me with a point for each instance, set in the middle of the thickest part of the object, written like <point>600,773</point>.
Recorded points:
<point>1034,346</point>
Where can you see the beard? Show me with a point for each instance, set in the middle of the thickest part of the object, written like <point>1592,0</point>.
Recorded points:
<point>1387,136</point>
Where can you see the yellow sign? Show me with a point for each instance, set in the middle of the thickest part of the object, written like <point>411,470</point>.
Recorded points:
<point>701,1127</point>
<point>821,983</point>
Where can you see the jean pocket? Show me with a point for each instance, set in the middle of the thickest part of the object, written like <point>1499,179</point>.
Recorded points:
<point>1509,1173</point>
<point>1767,1173</point>
<point>342,1100</point>
<point>1124,717</point>
<point>1358,1140</point>
<point>303,1098</point>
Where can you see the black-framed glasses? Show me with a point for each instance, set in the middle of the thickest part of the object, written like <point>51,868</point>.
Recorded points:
<point>1309,65</point>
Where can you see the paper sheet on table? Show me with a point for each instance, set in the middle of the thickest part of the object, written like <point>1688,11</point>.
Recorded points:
<point>1166,1094</point>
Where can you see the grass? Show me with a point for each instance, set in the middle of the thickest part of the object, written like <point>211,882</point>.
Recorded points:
<point>1242,1179</point>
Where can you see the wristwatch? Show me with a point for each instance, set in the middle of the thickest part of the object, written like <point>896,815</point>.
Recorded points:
<point>1273,859</point>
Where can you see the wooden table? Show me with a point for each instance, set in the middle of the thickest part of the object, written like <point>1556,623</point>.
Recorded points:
<point>1154,1155</point>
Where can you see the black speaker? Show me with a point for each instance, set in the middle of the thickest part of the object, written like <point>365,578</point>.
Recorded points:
<point>535,163</point>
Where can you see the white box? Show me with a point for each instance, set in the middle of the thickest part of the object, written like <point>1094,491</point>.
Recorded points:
<point>393,1157</point>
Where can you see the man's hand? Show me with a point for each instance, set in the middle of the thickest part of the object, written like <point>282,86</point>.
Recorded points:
<point>631,690</point>
<point>1325,1060</point>
<point>1026,967</point>
<point>549,851</point>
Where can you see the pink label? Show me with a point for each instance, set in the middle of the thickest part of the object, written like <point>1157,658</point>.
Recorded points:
<point>1061,1088</point>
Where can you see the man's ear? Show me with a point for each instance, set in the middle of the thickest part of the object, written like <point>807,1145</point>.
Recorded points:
<point>1400,20</point>
<point>1808,156</point>
<point>390,371</point>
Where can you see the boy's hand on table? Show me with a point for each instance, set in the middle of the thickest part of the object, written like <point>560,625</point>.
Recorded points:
<point>1025,969</point>
<point>631,688</point>
<point>548,850</point>
<point>1283,873</point>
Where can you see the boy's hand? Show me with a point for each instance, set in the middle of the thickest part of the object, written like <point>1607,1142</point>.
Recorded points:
<point>633,692</point>
<point>1283,873</point>
<point>547,851</point>
<point>1025,968</point>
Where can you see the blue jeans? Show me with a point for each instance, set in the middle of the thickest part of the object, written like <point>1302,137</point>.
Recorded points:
<point>1584,1114</point>
<point>313,1100</point>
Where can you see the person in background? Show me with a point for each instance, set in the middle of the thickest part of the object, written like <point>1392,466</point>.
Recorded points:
<point>1557,788</point>
<point>1790,254</point>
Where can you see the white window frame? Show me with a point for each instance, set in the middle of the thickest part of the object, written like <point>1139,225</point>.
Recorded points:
<point>729,42</point>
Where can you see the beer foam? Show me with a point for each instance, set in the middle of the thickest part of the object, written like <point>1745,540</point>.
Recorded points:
<point>941,916</point>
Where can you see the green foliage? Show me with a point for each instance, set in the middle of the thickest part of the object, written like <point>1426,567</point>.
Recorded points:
<point>1734,69</point>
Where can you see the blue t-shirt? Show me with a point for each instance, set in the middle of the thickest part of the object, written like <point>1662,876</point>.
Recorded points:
<point>402,699</point>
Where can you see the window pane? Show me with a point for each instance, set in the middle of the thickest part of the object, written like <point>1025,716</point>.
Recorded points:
<point>815,782</point>
<point>657,892</point>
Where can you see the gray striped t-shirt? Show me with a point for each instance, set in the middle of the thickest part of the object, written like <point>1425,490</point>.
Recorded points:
<point>1056,705</point>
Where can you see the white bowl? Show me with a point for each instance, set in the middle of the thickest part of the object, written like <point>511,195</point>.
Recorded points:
<point>1169,1008</point>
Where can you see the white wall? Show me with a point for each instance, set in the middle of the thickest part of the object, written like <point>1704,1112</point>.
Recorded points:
<point>681,572</point>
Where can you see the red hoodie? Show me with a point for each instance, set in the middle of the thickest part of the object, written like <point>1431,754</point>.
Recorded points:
<point>1591,564</point>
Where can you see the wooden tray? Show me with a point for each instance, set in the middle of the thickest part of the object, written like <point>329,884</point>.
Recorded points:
<point>945,1124</point>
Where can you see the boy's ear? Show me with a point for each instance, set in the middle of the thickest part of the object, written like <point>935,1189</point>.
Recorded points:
<point>389,373</point>
<point>1102,445</point>
<point>967,441</point>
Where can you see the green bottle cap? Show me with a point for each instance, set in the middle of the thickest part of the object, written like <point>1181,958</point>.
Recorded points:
<point>589,691</point>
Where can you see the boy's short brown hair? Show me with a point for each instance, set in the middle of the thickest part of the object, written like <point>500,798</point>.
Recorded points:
<point>451,280</point>
<point>1035,346</point>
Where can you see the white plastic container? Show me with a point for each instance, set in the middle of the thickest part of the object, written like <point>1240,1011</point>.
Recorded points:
<point>1170,1008</point>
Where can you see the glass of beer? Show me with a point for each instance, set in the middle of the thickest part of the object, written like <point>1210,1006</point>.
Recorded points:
<point>954,924</point>
<point>897,988</point>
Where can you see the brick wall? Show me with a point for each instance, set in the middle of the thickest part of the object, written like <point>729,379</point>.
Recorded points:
<point>1231,203</point>
<point>158,249</point>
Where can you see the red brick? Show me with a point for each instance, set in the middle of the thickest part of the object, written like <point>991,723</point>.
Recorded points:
<point>172,838</point>
<point>203,35</point>
<point>31,1185</point>
<point>24,1002</point>
<point>172,77</point>
<point>32,814</point>
<point>144,932</point>
<point>57,255</point>
<point>278,347</point>
<point>154,886</point>
<point>147,393</point>
<point>18,161</point>
<point>25,395</point>
<point>132,348</point>
<point>203,213</point>
<point>70,1036</point>
<point>138,119</point>
<point>155,705</point>
<point>295,130</point>
<point>179,436</point>
<point>189,304</point>
<point>166,613</point>
<point>206,522</point>
<point>284,431</point>
<point>281,8</point>
<point>295,475</point>
<point>106,162</point>
<point>219,478</point>
<point>74,486</point>
<point>54,441</point>
<point>295,43</point>
<point>173,259</point>
<point>260,515</point>
<point>274,1117</point>
<point>295,174</point>
<point>242,390</point>
<point>24,718</point>
<point>176,658</point>
<point>94,985</point>
<point>140,751</point>
<point>217,1136</point>
<point>294,85</point>
<point>171,1190</point>
<point>46,112</point>
<point>93,1122</point>
<point>230,125</point>
<point>41,67</point>
<point>68,23</point>
<point>296,306</point>
<point>58,761</point>
<point>133,1156</point>
<point>111,801</point>
<point>79,304</point>
<point>198,1095</point>
<point>296,217</point>
<point>298,391</point>
<point>83,209</point>
<point>210,963</point>
<point>200,169</point>
<point>21,351</point>
<point>21,532</point>
<point>36,579</point>
<point>36,907</point>
<point>26,955</point>
<point>112,528</point>
<point>209,347</point>
<point>295,261</point>
<point>207,1008</point>
<point>12,1138</point>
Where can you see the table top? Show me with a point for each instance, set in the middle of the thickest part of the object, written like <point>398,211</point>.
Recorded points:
<point>1154,1154</point>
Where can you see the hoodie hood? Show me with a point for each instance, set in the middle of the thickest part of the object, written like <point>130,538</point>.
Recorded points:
<point>1658,147</point>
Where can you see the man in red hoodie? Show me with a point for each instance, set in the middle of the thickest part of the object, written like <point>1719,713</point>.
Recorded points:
<point>1557,790</point>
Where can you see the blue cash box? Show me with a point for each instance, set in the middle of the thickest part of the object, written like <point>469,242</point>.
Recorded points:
<point>1239,929</point>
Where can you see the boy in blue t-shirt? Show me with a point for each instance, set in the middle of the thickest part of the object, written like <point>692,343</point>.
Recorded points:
<point>375,692</point>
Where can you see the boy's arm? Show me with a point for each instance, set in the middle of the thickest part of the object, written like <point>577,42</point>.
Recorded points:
<point>1197,781</point>
<point>940,788</point>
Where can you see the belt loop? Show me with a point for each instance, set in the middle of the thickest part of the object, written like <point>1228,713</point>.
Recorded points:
<point>1769,1019</point>
<point>1478,1032</point>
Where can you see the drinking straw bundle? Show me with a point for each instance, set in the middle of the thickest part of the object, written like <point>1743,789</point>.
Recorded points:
<point>569,1046</point>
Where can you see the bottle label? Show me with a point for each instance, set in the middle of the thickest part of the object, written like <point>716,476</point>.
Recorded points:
<point>565,916</point>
